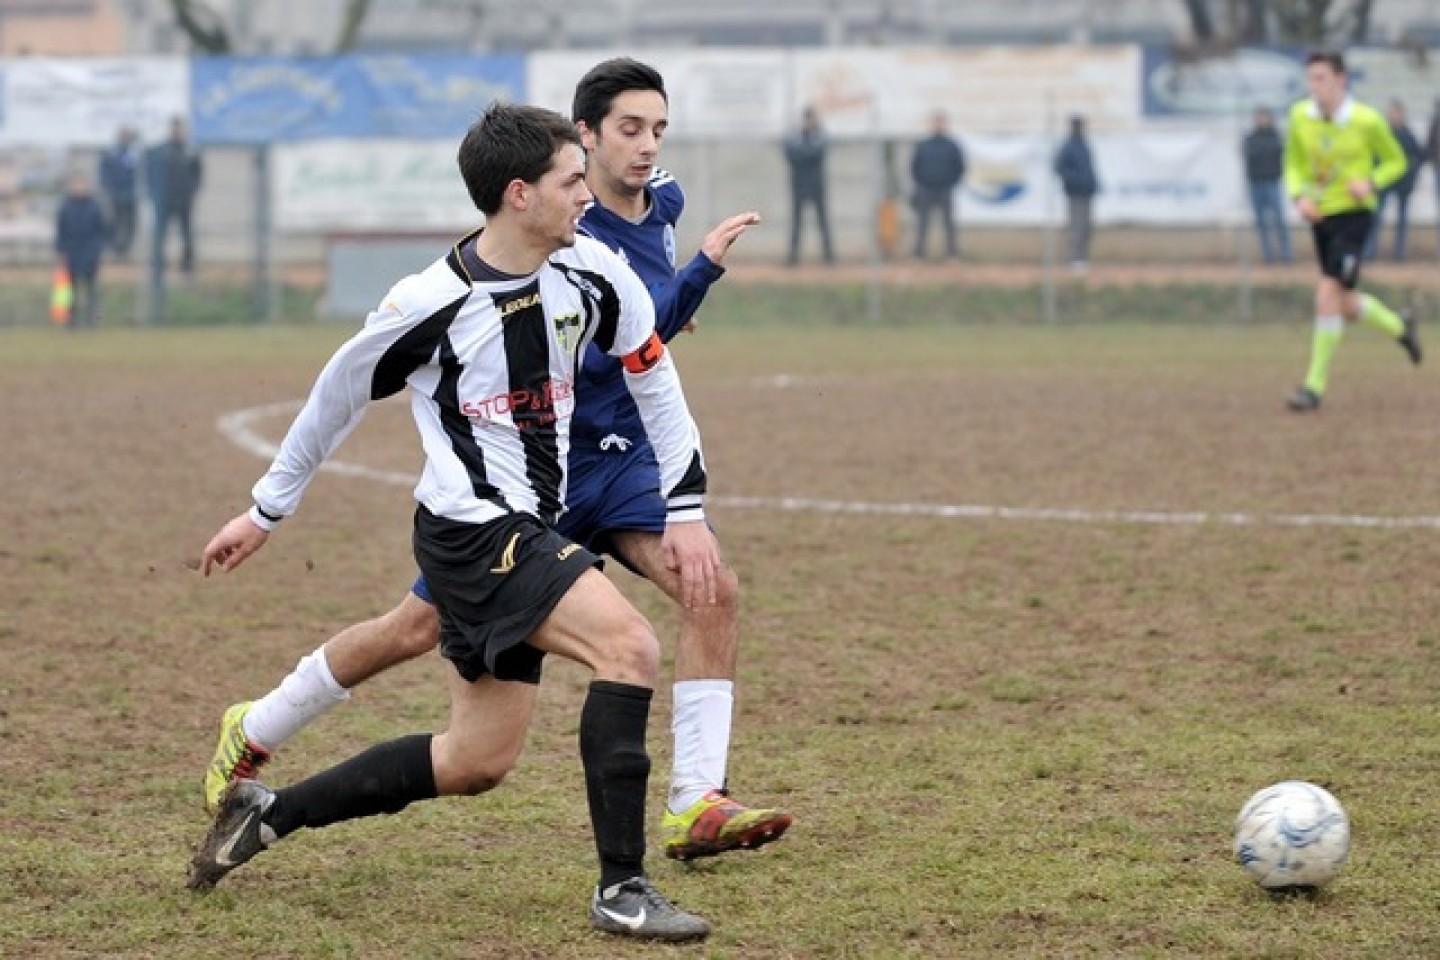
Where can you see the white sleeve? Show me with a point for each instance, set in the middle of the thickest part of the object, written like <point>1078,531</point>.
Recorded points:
<point>654,382</point>
<point>334,408</point>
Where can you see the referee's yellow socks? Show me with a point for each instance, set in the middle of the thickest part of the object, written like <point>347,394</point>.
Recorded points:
<point>1328,333</point>
<point>1377,315</point>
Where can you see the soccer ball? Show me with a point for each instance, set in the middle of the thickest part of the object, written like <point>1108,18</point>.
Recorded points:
<point>1292,834</point>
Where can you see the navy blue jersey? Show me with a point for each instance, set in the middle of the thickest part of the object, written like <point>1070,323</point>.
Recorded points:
<point>606,419</point>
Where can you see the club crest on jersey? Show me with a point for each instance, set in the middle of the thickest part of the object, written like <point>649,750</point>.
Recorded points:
<point>670,244</point>
<point>567,332</point>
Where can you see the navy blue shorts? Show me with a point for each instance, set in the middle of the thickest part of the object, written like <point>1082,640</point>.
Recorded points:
<point>608,492</point>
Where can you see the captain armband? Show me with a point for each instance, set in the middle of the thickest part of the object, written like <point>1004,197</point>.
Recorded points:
<point>649,353</point>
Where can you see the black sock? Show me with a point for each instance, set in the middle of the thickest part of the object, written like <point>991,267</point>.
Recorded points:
<point>384,779</point>
<point>617,771</point>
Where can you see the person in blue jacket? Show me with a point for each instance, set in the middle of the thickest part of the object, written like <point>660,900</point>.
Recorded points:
<point>81,233</point>
<point>120,183</point>
<point>613,504</point>
<point>1075,166</point>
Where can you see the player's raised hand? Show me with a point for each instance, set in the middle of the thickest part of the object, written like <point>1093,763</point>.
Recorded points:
<point>236,540</point>
<point>690,549</point>
<point>718,241</point>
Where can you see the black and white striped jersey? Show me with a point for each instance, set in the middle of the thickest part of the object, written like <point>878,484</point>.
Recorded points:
<point>491,362</point>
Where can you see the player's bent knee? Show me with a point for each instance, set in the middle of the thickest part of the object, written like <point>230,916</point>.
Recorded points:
<point>477,782</point>
<point>631,654</point>
<point>418,631</point>
<point>412,629</point>
<point>468,775</point>
<point>727,590</point>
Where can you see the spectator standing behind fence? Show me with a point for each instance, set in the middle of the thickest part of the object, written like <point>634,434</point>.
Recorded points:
<point>1432,153</point>
<point>1264,154</point>
<point>937,167</point>
<point>172,175</point>
<point>119,182</point>
<point>1075,165</point>
<point>1401,189</point>
<point>81,232</point>
<point>805,153</point>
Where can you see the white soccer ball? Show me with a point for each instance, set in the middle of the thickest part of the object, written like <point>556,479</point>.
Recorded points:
<point>1292,834</point>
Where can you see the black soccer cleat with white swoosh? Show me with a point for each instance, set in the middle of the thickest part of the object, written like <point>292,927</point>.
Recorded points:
<point>235,837</point>
<point>634,908</point>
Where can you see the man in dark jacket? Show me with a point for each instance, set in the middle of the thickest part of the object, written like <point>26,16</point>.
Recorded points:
<point>1432,150</point>
<point>81,233</point>
<point>937,167</point>
<point>1401,189</point>
<point>172,175</point>
<point>1264,154</point>
<point>1075,166</point>
<point>805,154</point>
<point>119,182</point>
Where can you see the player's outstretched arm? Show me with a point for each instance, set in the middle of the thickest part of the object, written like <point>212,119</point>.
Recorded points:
<point>676,302</point>
<point>236,540</point>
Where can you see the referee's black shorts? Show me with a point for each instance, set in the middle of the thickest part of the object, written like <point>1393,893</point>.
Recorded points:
<point>494,584</point>
<point>1340,245</point>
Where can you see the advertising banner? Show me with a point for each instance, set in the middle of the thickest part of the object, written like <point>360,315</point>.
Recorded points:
<point>345,185</point>
<point>81,103</point>
<point>1197,88</point>
<point>278,99</point>
<point>1152,178</point>
<point>758,94</point>
<point>862,93</point>
<point>713,93</point>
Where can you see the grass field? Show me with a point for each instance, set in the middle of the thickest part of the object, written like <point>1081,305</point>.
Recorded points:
<point>1003,734</point>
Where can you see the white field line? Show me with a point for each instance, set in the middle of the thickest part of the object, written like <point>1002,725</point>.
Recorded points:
<point>239,428</point>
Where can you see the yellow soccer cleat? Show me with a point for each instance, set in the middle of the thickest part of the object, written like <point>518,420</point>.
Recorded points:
<point>715,823</point>
<point>236,757</point>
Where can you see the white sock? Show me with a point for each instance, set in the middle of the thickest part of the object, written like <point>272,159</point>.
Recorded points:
<point>701,725</point>
<point>303,696</point>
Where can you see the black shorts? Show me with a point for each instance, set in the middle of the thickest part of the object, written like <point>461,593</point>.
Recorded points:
<point>494,584</point>
<point>1340,245</point>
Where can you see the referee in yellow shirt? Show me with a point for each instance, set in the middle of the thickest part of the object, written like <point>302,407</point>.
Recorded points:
<point>1339,155</point>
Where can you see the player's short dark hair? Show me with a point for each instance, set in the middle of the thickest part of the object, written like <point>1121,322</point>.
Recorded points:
<point>510,142</point>
<point>1333,58</point>
<point>596,92</point>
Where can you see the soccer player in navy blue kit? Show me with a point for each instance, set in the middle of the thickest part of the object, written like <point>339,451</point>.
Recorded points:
<point>613,505</point>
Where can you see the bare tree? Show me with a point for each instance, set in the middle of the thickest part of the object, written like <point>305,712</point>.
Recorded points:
<point>1338,22</point>
<point>354,18</point>
<point>1202,25</point>
<point>1251,21</point>
<point>202,25</point>
<point>208,32</point>
<point>1305,21</point>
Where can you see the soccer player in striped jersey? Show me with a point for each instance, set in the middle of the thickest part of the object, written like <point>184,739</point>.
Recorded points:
<point>1339,155</point>
<point>613,504</point>
<point>490,340</point>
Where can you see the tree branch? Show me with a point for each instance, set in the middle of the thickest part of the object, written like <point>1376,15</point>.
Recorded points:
<point>202,25</point>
